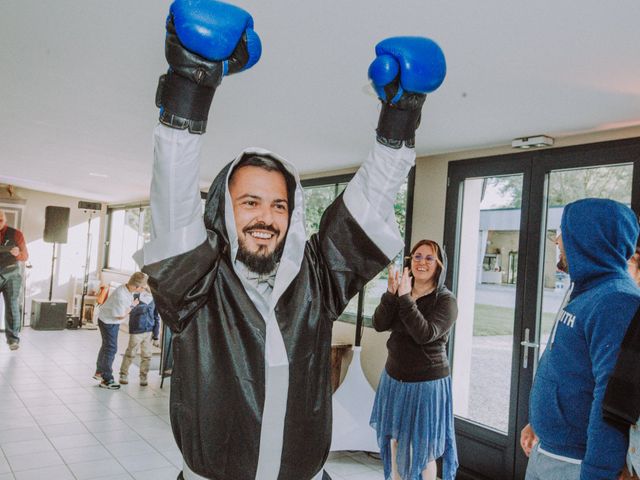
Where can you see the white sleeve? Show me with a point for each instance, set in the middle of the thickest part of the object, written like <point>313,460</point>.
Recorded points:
<point>176,208</point>
<point>372,191</point>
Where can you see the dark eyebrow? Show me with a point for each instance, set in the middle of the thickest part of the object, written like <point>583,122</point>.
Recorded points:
<point>248,195</point>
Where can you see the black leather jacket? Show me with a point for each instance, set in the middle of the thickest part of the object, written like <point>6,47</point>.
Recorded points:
<point>218,380</point>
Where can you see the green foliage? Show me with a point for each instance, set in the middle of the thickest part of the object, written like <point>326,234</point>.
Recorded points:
<point>566,186</point>
<point>316,201</point>
<point>604,182</point>
<point>318,198</point>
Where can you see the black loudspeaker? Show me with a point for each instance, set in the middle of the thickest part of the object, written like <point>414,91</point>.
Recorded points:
<point>73,322</point>
<point>48,315</point>
<point>56,224</point>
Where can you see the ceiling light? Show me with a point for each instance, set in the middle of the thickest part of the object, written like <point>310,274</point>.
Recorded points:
<point>532,142</point>
<point>101,175</point>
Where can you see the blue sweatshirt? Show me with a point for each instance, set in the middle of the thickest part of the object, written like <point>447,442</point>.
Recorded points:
<point>599,236</point>
<point>144,318</point>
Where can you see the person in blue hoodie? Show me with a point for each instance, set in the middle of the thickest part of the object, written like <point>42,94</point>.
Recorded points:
<point>597,238</point>
<point>144,327</point>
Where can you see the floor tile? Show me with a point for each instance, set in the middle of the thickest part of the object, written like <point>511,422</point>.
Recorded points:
<point>59,473</point>
<point>84,454</point>
<point>30,461</point>
<point>96,469</point>
<point>57,424</point>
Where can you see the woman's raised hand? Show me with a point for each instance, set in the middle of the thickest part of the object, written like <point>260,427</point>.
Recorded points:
<point>393,279</point>
<point>405,283</point>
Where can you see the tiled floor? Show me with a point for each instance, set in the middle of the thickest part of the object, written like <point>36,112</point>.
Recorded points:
<point>56,424</point>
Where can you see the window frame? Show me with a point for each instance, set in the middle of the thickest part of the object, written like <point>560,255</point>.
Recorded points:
<point>107,238</point>
<point>325,181</point>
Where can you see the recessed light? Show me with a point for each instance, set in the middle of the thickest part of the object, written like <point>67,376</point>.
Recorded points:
<point>101,175</point>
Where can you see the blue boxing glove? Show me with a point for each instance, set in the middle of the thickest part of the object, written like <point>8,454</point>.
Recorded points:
<point>205,41</point>
<point>404,71</point>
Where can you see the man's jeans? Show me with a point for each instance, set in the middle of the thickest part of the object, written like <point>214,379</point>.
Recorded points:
<point>104,364</point>
<point>544,467</point>
<point>11,288</point>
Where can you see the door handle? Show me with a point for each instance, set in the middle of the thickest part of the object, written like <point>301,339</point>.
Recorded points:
<point>527,345</point>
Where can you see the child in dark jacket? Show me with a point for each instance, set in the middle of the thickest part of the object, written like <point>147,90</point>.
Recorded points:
<point>144,326</point>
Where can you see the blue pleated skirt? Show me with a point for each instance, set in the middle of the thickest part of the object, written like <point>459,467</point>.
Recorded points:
<point>419,415</point>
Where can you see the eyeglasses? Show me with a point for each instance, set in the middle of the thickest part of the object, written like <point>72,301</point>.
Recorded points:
<point>419,258</point>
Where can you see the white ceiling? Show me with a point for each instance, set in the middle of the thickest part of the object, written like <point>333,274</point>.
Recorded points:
<point>78,79</point>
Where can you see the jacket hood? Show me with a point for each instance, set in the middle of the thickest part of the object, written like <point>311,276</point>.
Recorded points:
<point>599,236</point>
<point>443,271</point>
<point>218,216</point>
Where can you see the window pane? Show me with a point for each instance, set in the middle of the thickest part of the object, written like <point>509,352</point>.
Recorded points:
<point>316,201</point>
<point>376,287</point>
<point>566,186</point>
<point>130,228</point>
<point>486,293</point>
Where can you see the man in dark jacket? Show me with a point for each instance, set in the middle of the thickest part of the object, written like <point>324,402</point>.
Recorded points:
<point>251,302</point>
<point>13,251</point>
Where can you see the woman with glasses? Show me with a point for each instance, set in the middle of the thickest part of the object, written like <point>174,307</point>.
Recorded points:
<point>412,412</point>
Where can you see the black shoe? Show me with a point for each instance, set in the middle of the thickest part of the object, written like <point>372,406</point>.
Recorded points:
<point>110,385</point>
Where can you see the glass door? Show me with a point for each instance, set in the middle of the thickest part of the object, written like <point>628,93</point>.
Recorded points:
<point>487,203</point>
<point>501,218</point>
<point>483,341</point>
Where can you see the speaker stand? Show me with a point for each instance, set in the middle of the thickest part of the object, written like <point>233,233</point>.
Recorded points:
<point>85,282</point>
<point>87,260</point>
<point>53,264</point>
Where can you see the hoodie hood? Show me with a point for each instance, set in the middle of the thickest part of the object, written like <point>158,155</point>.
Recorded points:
<point>599,236</point>
<point>443,271</point>
<point>218,216</point>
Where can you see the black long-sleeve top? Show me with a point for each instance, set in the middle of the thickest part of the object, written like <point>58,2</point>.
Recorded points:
<point>419,333</point>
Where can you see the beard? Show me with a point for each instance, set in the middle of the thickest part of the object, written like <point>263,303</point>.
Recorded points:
<point>562,264</point>
<point>261,262</point>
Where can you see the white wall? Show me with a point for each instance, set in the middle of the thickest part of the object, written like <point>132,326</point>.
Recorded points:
<point>70,260</point>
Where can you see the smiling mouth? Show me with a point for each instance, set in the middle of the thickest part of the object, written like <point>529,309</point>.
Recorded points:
<point>261,235</point>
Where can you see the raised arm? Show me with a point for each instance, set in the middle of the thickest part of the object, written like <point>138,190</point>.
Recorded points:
<point>428,326</point>
<point>385,314</point>
<point>404,71</point>
<point>205,40</point>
